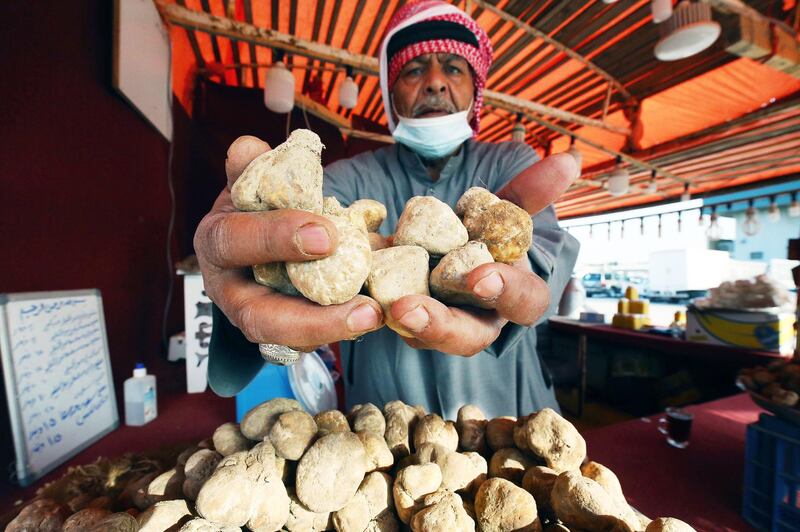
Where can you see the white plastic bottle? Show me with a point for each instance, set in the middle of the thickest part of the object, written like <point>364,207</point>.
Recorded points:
<point>140,397</point>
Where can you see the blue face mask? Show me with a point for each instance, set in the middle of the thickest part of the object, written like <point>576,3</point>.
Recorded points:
<point>436,137</point>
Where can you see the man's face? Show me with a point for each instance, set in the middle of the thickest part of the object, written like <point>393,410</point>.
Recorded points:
<point>433,85</point>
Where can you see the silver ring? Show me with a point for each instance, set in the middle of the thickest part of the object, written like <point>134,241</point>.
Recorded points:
<point>279,354</point>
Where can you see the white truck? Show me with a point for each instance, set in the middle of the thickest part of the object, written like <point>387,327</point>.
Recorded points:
<point>681,274</point>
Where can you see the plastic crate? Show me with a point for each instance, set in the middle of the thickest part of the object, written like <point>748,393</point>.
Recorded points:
<point>772,475</point>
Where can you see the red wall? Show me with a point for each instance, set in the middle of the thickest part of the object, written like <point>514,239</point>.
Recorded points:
<point>83,180</point>
<point>84,201</point>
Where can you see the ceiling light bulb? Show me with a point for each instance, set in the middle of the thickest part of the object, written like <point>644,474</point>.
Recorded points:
<point>618,182</point>
<point>577,155</point>
<point>279,89</point>
<point>794,209</point>
<point>661,10</point>
<point>348,93</point>
<point>518,132</point>
<point>751,225</point>
<point>713,232</point>
<point>652,187</point>
<point>773,213</point>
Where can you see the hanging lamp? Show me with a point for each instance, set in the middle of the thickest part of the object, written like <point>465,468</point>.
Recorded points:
<point>794,207</point>
<point>652,186</point>
<point>575,152</point>
<point>686,196</point>
<point>518,131</point>
<point>348,91</point>
<point>751,224</point>
<point>773,212</point>
<point>279,86</point>
<point>661,10</point>
<point>619,181</point>
<point>689,31</point>
<point>713,232</point>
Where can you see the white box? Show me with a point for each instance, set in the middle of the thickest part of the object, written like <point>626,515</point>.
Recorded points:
<point>197,316</point>
<point>757,330</point>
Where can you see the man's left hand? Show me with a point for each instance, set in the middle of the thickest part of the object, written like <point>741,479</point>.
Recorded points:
<point>513,292</point>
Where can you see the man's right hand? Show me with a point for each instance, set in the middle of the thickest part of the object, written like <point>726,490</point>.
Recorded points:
<point>228,242</point>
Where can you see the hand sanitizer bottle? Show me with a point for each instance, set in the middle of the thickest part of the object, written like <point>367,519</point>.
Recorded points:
<point>140,397</point>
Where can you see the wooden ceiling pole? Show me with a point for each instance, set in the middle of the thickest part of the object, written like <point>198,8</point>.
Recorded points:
<point>248,17</point>
<point>519,105</point>
<point>344,124</point>
<point>230,12</point>
<point>234,29</point>
<point>625,157</point>
<point>741,8</point>
<point>198,55</point>
<point>554,43</point>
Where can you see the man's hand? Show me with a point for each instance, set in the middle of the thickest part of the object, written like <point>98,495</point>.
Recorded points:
<point>228,242</point>
<point>514,292</point>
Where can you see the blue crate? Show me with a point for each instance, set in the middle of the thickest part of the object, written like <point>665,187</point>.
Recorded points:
<point>772,475</point>
<point>271,382</point>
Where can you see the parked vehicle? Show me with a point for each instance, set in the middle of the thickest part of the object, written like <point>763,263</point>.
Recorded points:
<point>608,284</point>
<point>683,274</point>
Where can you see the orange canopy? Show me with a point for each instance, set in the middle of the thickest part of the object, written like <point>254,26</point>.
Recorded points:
<point>715,119</point>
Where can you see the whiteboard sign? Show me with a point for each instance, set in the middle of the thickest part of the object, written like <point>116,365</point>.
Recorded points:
<point>57,375</point>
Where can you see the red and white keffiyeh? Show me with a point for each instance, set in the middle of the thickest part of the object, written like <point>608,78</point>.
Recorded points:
<point>480,58</point>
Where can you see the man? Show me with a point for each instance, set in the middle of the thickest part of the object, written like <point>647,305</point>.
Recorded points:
<point>434,61</point>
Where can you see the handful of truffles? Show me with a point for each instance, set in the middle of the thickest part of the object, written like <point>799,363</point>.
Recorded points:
<point>482,229</point>
<point>377,471</point>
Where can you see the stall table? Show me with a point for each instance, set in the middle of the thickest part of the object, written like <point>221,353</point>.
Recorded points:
<point>702,484</point>
<point>183,419</point>
<point>655,343</point>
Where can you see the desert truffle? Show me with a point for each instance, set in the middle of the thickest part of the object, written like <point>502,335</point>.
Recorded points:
<point>449,277</point>
<point>500,506</point>
<point>432,224</point>
<point>396,272</point>
<point>555,440</point>
<point>338,277</point>
<point>330,472</point>
<point>286,177</point>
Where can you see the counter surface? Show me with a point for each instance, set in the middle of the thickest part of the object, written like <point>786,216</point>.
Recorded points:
<point>701,484</point>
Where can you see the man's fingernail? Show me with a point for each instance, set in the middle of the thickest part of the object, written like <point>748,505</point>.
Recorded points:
<point>415,319</point>
<point>314,239</point>
<point>490,286</point>
<point>363,318</point>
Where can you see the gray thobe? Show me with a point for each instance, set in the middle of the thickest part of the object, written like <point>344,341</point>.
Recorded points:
<point>508,377</point>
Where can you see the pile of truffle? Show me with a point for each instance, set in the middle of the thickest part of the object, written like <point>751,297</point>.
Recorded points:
<point>379,471</point>
<point>779,382</point>
<point>761,293</point>
<point>482,229</point>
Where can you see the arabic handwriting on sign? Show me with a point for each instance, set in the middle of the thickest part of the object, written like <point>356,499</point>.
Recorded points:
<point>35,309</point>
<point>60,367</point>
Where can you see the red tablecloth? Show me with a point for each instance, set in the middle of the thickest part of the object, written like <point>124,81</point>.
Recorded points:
<point>182,419</point>
<point>701,484</point>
